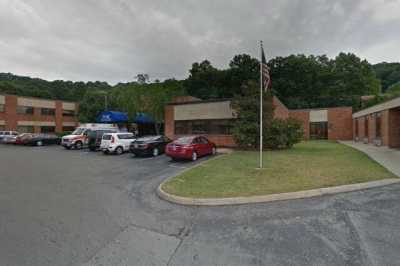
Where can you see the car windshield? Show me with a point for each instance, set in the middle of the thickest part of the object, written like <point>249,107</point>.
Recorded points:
<point>184,140</point>
<point>149,138</point>
<point>78,131</point>
<point>106,136</point>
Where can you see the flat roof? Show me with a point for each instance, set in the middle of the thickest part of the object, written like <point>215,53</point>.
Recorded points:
<point>393,103</point>
<point>202,101</point>
<point>37,98</point>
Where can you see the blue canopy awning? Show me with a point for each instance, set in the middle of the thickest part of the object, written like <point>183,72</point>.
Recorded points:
<point>112,117</point>
<point>143,118</point>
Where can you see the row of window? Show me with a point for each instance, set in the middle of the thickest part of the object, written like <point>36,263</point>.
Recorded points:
<point>43,129</point>
<point>28,110</point>
<point>216,127</point>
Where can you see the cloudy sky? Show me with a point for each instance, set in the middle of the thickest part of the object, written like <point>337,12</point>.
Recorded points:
<point>113,40</point>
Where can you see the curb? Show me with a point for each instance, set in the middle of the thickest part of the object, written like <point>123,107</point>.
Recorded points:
<point>273,197</point>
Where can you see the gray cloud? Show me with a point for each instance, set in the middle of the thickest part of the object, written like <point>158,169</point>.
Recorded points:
<point>115,40</point>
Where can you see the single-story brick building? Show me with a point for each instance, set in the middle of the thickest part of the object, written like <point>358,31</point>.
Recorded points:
<point>379,124</point>
<point>214,119</point>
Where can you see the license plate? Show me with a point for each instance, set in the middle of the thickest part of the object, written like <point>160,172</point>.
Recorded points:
<point>136,146</point>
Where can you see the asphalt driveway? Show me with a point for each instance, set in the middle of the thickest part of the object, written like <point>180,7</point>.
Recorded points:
<point>61,207</point>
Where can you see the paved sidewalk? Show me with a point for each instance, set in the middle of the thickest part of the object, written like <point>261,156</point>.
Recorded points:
<point>389,158</point>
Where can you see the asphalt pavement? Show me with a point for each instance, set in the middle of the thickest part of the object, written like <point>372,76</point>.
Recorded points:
<point>60,207</point>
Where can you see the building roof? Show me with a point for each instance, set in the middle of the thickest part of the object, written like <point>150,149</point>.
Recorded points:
<point>379,107</point>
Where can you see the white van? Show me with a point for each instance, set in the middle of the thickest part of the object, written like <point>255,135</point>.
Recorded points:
<point>7,134</point>
<point>79,138</point>
<point>117,143</point>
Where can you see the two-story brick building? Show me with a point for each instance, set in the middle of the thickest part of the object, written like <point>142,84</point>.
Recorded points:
<point>26,114</point>
<point>214,119</point>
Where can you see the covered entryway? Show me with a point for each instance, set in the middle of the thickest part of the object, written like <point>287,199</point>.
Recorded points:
<point>319,124</point>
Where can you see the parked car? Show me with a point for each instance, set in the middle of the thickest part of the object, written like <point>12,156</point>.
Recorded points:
<point>149,145</point>
<point>41,140</point>
<point>79,138</point>
<point>191,148</point>
<point>117,143</point>
<point>95,136</point>
<point>9,139</point>
<point>4,134</point>
<point>19,140</point>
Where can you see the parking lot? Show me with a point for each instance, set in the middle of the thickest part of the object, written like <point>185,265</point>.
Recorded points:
<point>60,207</point>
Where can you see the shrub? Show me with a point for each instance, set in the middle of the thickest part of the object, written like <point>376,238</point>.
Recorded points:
<point>283,134</point>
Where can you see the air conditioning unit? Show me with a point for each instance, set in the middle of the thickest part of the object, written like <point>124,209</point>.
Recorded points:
<point>365,140</point>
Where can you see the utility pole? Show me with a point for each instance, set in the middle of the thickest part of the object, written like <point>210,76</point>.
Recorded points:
<point>261,107</point>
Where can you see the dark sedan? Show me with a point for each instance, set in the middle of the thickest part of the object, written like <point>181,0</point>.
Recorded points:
<point>41,140</point>
<point>149,145</point>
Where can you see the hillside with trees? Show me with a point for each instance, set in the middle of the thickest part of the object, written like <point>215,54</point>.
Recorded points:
<point>300,81</point>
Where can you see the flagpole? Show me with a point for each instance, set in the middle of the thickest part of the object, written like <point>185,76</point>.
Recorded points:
<point>261,107</point>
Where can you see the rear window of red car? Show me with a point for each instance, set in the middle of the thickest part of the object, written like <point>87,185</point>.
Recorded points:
<point>184,140</point>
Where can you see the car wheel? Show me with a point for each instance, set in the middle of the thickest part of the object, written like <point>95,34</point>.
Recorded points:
<point>214,150</point>
<point>194,156</point>
<point>156,152</point>
<point>119,150</point>
<point>78,145</point>
<point>39,143</point>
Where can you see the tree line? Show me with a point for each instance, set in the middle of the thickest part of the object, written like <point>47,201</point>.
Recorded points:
<point>300,81</point>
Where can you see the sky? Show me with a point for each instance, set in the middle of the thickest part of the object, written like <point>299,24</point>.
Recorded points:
<point>114,40</point>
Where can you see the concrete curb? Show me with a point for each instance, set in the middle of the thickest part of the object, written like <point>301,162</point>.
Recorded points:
<point>274,197</point>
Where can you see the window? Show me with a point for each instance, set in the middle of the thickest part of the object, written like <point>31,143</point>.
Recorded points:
<point>48,129</point>
<point>378,126</point>
<point>68,129</point>
<point>25,110</point>
<point>2,108</point>
<point>216,127</point>
<point>2,127</point>
<point>125,136</point>
<point>318,130</point>
<point>203,140</point>
<point>68,113</point>
<point>25,129</point>
<point>48,111</point>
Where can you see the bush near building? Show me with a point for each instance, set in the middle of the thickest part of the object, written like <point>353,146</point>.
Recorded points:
<point>277,133</point>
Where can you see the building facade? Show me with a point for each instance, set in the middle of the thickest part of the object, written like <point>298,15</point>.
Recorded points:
<point>214,119</point>
<point>25,114</point>
<point>379,125</point>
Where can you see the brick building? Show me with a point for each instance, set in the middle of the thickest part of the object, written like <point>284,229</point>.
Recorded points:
<point>214,119</point>
<point>379,124</point>
<point>25,114</point>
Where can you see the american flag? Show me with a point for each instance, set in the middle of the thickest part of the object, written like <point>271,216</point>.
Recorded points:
<point>266,78</point>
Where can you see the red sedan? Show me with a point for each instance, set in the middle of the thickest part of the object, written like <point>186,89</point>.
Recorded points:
<point>190,148</point>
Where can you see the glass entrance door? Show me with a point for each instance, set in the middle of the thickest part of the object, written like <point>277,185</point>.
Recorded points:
<point>319,130</point>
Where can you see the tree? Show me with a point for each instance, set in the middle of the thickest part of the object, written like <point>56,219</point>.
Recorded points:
<point>388,73</point>
<point>90,106</point>
<point>247,105</point>
<point>203,80</point>
<point>142,78</point>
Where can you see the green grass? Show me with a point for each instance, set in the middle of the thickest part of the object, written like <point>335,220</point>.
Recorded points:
<point>309,165</point>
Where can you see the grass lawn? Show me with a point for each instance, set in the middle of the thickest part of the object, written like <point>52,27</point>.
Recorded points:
<point>309,165</point>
